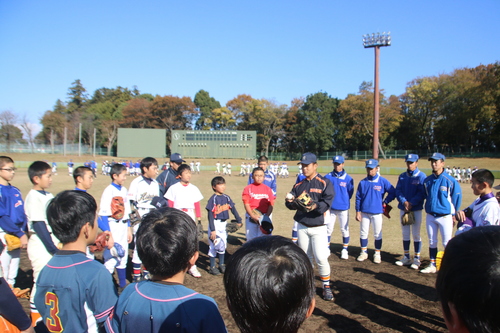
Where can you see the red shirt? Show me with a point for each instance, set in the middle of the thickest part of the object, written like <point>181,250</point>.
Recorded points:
<point>259,196</point>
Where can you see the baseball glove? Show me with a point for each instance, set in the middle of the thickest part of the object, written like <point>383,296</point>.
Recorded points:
<point>13,242</point>
<point>101,243</point>
<point>387,210</point>
<point>304,202</point>
<point>200,230</point>
<point>135,218</point>
<point>408,218</point>
<point>117,208</point>
<point>21,293</point>
<point>233,226</point>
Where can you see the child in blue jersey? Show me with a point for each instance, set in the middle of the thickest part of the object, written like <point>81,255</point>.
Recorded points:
<point>269,176</point>
<point>370,203</point>
<point>74,293</point>
<point>168,246</point>
<point>411,195</point>
<point>443,200</point>
<point>485,209</point>
<point>343,184</point>
<point>12,219</point>
<point>218,207</point>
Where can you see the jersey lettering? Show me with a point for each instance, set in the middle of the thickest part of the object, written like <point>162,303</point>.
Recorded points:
<point>53,321</point>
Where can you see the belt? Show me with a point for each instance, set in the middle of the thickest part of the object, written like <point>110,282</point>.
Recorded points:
<point>438,215</point>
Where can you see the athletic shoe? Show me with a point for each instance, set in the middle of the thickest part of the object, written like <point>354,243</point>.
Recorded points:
<point>377,259</point>
<point>327,293</point>
<point>194,272</point>
<point>344,255</point>
<point>403,262</point>
<point>416,263</point>
<point>222,268</point>
<point>362,256</point>
<point>429,269</point>
<point>214,271</point>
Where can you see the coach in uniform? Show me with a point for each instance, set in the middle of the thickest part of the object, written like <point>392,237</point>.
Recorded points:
<point>410,194</point>
<point>312,232</point>
<point>169,177</point>
<point>443,199</point>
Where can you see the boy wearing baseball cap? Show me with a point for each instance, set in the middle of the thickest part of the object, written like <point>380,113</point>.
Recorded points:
<point>443,199</point>
<point>169,176</point>
<point>370,204</point>
<point>410,194</point>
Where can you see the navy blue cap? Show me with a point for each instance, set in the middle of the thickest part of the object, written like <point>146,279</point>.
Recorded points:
<point>372,163</point>
<point>338,159</point>
<point>308,158</point>
<point>176,158</point>
<point>411,158</point>
<point>436,157</point>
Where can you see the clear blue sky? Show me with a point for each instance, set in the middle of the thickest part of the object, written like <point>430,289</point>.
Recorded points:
<point>268,49</point>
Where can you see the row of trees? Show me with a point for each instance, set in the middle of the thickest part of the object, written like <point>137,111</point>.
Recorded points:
<point>455,111</point>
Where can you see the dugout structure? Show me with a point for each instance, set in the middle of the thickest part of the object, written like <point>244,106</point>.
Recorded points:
<point>141,142</point>
<point>215,144</point>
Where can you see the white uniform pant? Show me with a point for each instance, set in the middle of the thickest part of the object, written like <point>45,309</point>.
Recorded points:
<point>343,216</point>
<point>220,230</point>
<point>39,257</point>
<point>414,229</point>
<point>444,224</point>
<point>119,230</point>
<point>10,261</point>
<point>315,240</point>
<point>375,220</point>
<point>253,229</point>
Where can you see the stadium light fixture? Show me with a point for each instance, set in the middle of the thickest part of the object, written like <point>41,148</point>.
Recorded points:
<point>376,41</point>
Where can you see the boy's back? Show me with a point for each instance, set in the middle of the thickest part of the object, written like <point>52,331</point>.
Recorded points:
<point>176,308</point>
<point>67,289</point>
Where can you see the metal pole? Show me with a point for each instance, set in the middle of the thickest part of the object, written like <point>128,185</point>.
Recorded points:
<point>376,114</point>
<point>94,140</point>
<point>80,140</point>
<point>65,139</point>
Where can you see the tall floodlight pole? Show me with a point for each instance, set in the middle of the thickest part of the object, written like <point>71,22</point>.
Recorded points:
<point>376,41</point>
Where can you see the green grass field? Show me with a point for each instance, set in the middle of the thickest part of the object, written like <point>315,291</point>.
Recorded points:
<point>282,217</point>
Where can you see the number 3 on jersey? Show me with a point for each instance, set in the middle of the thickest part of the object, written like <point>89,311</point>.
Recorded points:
<point>53,321</point>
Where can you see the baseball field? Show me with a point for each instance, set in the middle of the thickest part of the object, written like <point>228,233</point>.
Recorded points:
<point>368,297</point>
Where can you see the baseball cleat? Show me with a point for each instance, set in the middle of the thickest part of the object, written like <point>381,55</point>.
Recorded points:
<point>344,254</point>
<point>327,293</point>
<point>362,256</point>
<point>429,269</point>
<point>403,262</point>
<point>222,268</point>
<point>377,259</point>
<point>214,271</point>
<point>194,272</point>
<point>416,263</point>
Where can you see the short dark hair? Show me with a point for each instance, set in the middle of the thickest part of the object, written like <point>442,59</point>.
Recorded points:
<point>37,169</point>
<point>469,278</point>
<point>217,180</point>
<point>182,168</point>
<point>147,162</point>
<point>80,172</point>
<point>166,241</point>
<point>269,284</point>
<point>262,158</point>
<point>258,169</point>
<point>68,212</point>
<point>116,169</point>
<point>4,160</point>
<point>484,176</point>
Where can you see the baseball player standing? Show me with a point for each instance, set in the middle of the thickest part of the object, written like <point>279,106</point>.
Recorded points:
<point>410,194</point>
<point>443,199</point>
<point>312,230</point>
<point>343,185</point>
<point>370,204</point>
<point>269,177</point>
<point>170,176</point>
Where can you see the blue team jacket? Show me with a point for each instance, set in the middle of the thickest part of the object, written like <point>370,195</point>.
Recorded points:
<point>269,180</point>
<point>443,195</point>
<point>12,217</point>
<point>343,184</point>
<point>410,188</point>
<point>370,194</point>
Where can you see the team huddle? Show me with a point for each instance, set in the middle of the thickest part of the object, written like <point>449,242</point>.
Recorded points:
<point>161,214</point>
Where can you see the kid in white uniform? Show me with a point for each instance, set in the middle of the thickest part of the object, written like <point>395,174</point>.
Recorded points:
<point>142,190</point>
<point>114,214</point>
<point>186,197</point>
